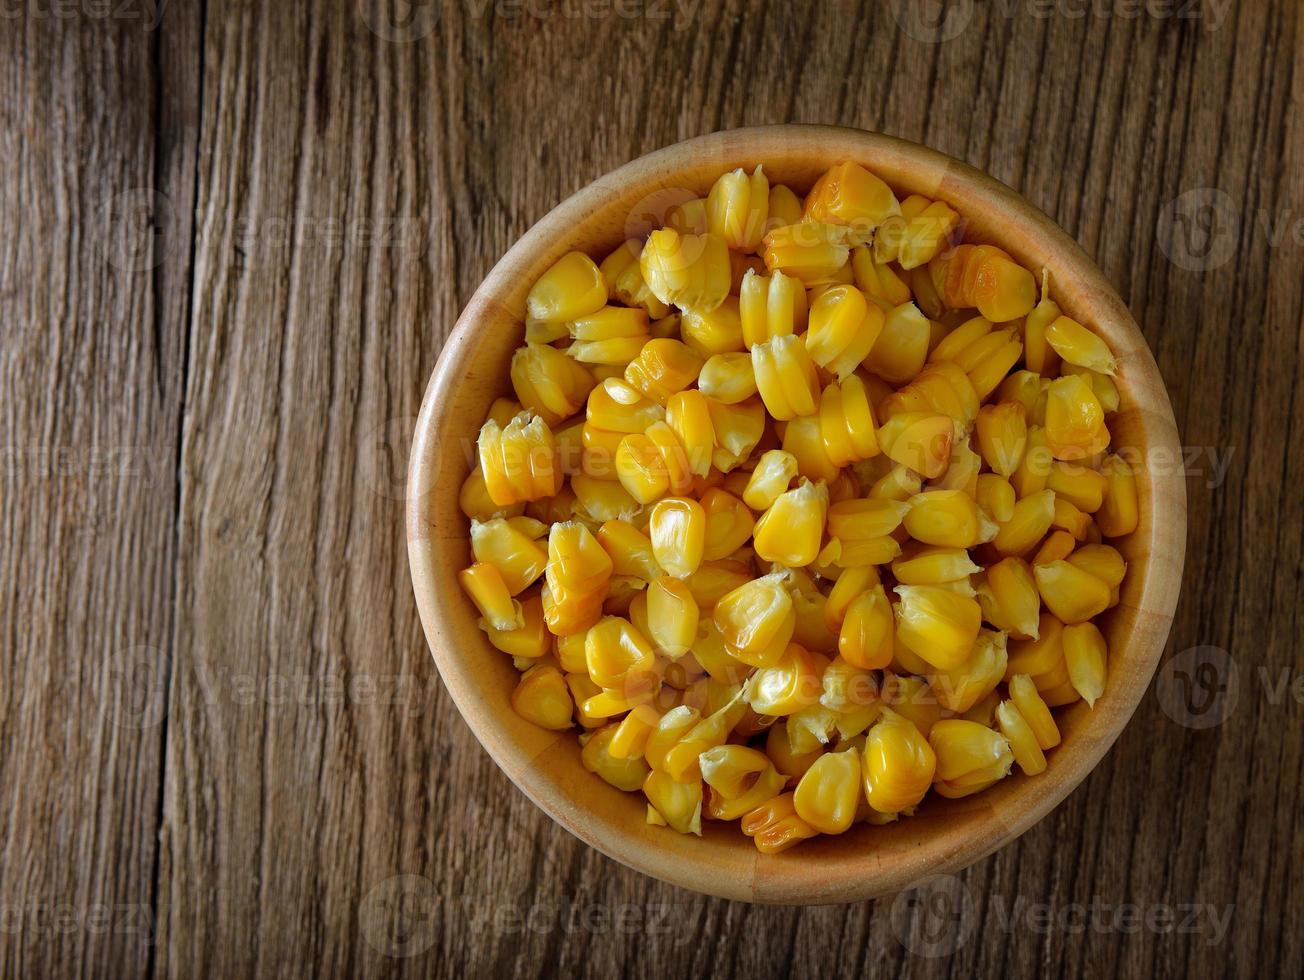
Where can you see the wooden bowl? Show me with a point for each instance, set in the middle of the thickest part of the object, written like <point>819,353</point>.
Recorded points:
<point>866,862</point>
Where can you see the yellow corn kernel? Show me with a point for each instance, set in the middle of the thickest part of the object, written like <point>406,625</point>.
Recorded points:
<point>785,377</point>
<point>1102,561</point>
<point>865,639</point>
<point>918,234</point>
<point>899,353</point>
<point>1118,513</point>
<point>963,686</point>
<point>616,406</point>
<point>897,765</point>
<point>847,424</point>
<point>549,383</point>
<point>827,794</point>
<point>1072,594</point>
<point>1029,523</point>
<point>738,428</point>
<point>1039,656</point>
<point>672,616</point>
<point>619,658</point>
<point>531,640</point>
<point>738,207</point>
<point>713,580</point>
<point>961,339</point>
<point>878,279</point>
<point>728,524</point>
<point>803,438</point>
<point>849,585</point>
<point>1034,469</point>
<point>756,620</point>
<point>970,757</point>
<point>679,804</point>
<point>474,500</point>
<point>582,690</point>
<point>812,252</point>
<point>1069,518</point>
<point>740,264</point>
<point>1023,387</point>
<point>741,779</point>
<point>785,206</point>
<point>1023,741</point>
<point>598,456</point>
<point>569,651</point>
<point>1023,692</point>
<point>688,416</point>
<point>992,365</point>
<point>774,826</point>
<point>576,561</point>
<point>672,727</point>
<point>1102,386</point>
<point>684,270</point>
<point>682,760</point>
<point>1057,546</point>
<point>933,566</point>
<point>612,335</point>
<point>1002,436</point>
<point>625,772</point>
<point>788,685</point>
<point>843,328</point>
<point>918,440</point>
<point>947,518</point>
<point>663,367</point>
<point>995,495</point>
<point>900,483</point>
<point>677,527</point>
<point>1075,422</point>
<point>770,306</point>
<point>848,194</point>
<point>571,288</point>
<point>715,331</point>
<point>791,763</point>
<point>728,378</point>
<point>961,471</point>
<point>641,469</point>
<point>1084,488</point>
<point>912,699</point>
<point>620,271</point>
<point>938,624</point>
<point>485,586</point>
<point>629,549</point>
<point>1078,345</point>
<point>519,462</point>
<point>688,217</point>
<point>860,531</point>
<point>1085,654</point>
<point>598,500</point>
<point>1009,599</point>
<point>774,471</point>
<point>1038,354</point>
<point>516,556</point>
<point>791,530</point>
<point>542,697</point>
<point>846,688</point>
<point>985,277</point>
<point>1060,695</point>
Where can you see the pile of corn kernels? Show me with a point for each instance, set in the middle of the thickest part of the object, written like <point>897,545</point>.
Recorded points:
<point>800,509</point>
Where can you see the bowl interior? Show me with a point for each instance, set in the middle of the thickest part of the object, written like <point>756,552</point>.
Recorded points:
<point>867,861</point>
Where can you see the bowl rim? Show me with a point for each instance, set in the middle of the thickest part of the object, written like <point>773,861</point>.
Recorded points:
<point>1149,604</point>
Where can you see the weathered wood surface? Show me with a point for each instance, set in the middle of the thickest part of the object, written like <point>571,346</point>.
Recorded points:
<point>233,246</point>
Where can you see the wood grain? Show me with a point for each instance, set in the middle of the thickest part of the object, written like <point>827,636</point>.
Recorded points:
<point>262,824</point>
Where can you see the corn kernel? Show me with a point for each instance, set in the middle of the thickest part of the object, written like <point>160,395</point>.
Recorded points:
<point>847,424</point>
<point>486,588</point>
<point>1031,520</point>
<point>912,699</point>
<point>519,462</point>
<point>898,764</point>
<point>827,794</point>
<point>900,484</point>
<point>1002,436</point>
<point>672,616</point>
<point>785,377</point>
<point>576,561</point>
<point>1075,422</point>
<point>688,271</point>
<point>933,566</point>
<point>918,234</point>
<point>848,194</point>
<point>791,530</point>
<point>663,367</point>
<point>947,518</point>
<point>860,529</point>
<point>961,687</point>
<point>1041,655</point>
<point>1069,518</point>
<point>531,640</point>
<point>843,328</point>
<point>983,276</point>
<point>774,826</point>
<point>542,697</point>
<point>728,378</point>
<point>620,270</point>
<point>549,383</point>
<point>938,624</point>
<point>1023,742</point>
<point>970,757</point>
<point>1034,469</point>
<point>625,772</point>
<point>1073,595</point>
<point>688,217</point>
<point>738,428</point>
<point>1078,345</point>
<point>995,495</point>
<point>616,406</point>
<point>629,549</point>
<point>918,440</point>
<point>738,207</point>
<point>1101,560</point>
<point>803,438</point>
<point>673,726</point>
<point>715,331</point>
<point>878,279</point>
<point>812,252</point>
<point>866,636</point>
<point>1084,488</point>
<point>1038,354</point>
<point>573,287</point>
<point>788,685</point>
<point>771,306</point>
<point>1056,547</point>
<point>1084,655</point>
<point>677,528</point>
<point>474,500</point>
<point>688,416</point>
<point>1034,711</point>
<point>1118,512</point>
<point>741,779</point>
<point>769,479</point>
<point>1009,599</point>
<point>899,353</point>
<point>679,804</point>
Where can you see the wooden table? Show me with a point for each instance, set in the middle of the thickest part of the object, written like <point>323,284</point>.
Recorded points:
<point>234,241</point>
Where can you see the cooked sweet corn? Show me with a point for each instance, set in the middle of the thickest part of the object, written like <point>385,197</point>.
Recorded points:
<point>771,416</point>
